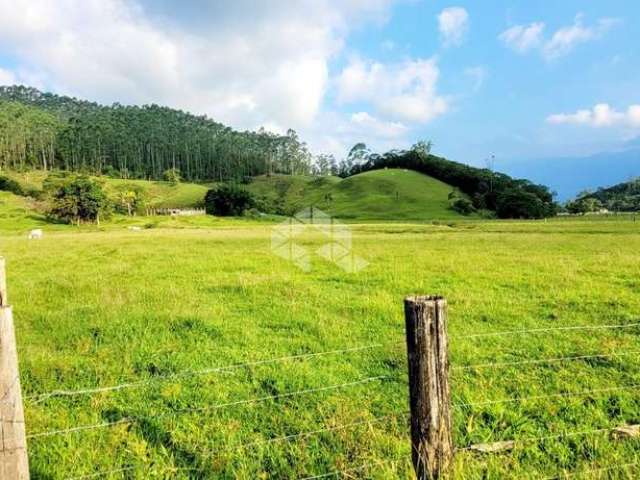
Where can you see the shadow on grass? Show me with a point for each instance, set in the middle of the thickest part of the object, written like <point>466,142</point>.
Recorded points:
<point>157,436</point>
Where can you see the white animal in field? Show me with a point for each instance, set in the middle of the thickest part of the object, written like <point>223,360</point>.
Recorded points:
<point>36,234</point>
<point>134,229</point>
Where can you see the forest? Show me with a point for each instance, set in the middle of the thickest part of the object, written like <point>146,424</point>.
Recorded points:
<point>47,131</point>
<point>623,197</point>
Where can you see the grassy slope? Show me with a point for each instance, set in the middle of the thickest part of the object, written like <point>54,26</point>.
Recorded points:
<point>392,195</point>
<point>382,195</point>
<point>160,194</point>
<point>102,308</point>
<point>18,214</point>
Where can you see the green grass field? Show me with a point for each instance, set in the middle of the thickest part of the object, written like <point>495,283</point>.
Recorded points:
<point>97,308</point>
<point>380,195</point>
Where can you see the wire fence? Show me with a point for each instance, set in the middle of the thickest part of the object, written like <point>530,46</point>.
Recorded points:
<point>132,421</point>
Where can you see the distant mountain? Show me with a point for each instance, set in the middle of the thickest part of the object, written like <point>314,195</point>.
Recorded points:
<point>570,176</point>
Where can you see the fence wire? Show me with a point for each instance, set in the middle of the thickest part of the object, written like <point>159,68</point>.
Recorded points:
<point>142,383</point>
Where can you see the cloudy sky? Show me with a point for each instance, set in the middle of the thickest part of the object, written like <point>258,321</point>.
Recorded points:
<point>512,79</point>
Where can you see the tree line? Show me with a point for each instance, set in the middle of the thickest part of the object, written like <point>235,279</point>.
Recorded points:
<point>623,197</point>
<point>488,190</point>
<point>47,131</point>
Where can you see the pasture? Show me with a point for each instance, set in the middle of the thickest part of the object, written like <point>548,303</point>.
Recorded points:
<point>159,312</point>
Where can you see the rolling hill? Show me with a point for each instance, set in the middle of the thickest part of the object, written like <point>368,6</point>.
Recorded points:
<point>383,195</point>
<point>379,195</point>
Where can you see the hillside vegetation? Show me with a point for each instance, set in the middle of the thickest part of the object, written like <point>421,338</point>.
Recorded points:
<point>624,197</point>
<point>47,131</point>
<point>159,194</point>
<point>389,195</point>
<point>508,197</point>
<point>383,195</point>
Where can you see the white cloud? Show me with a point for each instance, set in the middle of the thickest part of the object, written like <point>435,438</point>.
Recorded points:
<point>270,67</point>
<point>453,23</point>
<point>523,38</point>
<point>566,39</point>
<point>404,91</point>
<point>601,115</point>
<point>335,132</point>
<point>379,128</point>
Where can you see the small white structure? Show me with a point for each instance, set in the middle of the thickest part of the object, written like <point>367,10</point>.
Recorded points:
<point>36,234</point>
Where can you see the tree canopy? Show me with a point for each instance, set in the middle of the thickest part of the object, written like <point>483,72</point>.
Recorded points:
<point>77,199</point>
<point>623,197</point>
<point>46,131</point>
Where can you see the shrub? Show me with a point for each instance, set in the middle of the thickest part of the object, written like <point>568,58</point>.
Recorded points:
<point>10,185</point>
<point>172,176</point>
<point>228,200</point>
<point>463,206</point>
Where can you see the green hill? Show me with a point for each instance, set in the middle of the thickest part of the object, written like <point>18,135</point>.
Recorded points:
<point>389,195</point>
<point>159,194</point>
<point>379,195</point>
<point>623,197</point>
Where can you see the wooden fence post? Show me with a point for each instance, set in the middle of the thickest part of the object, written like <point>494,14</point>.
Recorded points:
<point>14,462</point>
<point>429,391</point>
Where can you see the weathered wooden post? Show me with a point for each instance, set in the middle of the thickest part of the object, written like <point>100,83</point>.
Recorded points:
<point>429,391</point>
<point>14,463</point>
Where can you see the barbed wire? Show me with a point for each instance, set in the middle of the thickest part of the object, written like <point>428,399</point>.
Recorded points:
<point>594,470</point>
<point>211,407</point>
<point>548,329</point>
<point>141,383</point>
<point>36,398</point>
<point>542,397</point>
<point>345,426</point>
<point>544,360</point>
<point>65,431</point>
<point>279,396</point>
<point>543,438</point>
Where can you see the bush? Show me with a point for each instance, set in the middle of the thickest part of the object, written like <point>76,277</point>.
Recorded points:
<point>79,199</point>
<point>520,204</point>
<point>172,176</point>
<point>463,206</point>
<point>228,200</point>
<point>130,199</point>
<point>10,185</point>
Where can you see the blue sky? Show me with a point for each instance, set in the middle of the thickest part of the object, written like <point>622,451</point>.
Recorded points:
<point>512,79</point>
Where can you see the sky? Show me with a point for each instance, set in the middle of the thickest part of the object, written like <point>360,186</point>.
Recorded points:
<point>512,80</point>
